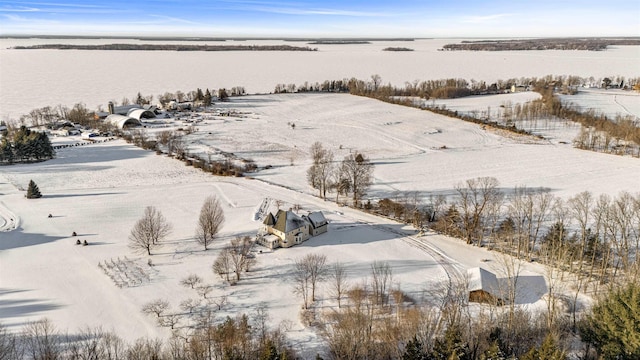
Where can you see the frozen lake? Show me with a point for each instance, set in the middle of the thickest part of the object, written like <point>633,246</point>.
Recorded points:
<point>34,78</point>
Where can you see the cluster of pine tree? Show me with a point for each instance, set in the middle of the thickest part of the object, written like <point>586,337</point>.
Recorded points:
<point>24,145</point>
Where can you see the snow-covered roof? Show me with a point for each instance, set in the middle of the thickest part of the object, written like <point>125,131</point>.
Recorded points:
<point>125,109</point>
<point>317,219</point>
<point>481,279</point>
<point>122,121</point>
<point>287,221</point>
<point>141,114</point>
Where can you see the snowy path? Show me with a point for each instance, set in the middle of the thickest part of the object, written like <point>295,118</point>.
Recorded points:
<point>8,219</point>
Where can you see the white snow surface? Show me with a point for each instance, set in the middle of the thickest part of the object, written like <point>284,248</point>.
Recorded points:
<point>610,102</point>
<point>100,190</point>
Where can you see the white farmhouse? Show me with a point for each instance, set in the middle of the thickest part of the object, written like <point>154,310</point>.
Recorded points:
<point>286,228</point>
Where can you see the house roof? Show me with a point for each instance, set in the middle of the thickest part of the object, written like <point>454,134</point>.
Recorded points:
<point>317,219</point>
<point>287,221</point>
<point>481,279</point>
<point>269,220</point>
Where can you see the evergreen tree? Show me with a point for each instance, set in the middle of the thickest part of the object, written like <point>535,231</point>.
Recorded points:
<point>207,100</point>
<point>493,352</point>
<point>32,191</point>
<point>451,346</point>
<point>6,151</point>
<point>25,145</point>
<point>549,350</point>
<point>414,350</point>
<point>613,327</point>
<point>199,95</point>
<point>223,95</point>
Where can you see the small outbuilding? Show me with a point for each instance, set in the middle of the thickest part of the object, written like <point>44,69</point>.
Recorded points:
<point>483,286</point>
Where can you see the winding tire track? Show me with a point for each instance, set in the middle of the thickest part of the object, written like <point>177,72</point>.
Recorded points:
<point>8,220</point>
<point>449,265</point>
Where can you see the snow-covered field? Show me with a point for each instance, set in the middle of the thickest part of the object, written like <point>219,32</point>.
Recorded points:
<point>610,102</point>
<point>100,190</point>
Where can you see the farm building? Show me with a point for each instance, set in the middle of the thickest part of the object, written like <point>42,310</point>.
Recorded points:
<point>140,114</point>
<point>483,286</point>
<point>286,228</point>
<point>121,121</point>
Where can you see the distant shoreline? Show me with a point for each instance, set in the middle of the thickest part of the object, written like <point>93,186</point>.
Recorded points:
<point>166,47</point>
<point>590,43</point>
<point>197,38</point>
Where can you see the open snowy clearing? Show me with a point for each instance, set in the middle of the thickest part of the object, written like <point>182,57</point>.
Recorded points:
<point>610,102</point>
<point>100,190</point>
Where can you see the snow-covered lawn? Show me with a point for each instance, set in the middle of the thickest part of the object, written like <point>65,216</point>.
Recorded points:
<point>100,190</point>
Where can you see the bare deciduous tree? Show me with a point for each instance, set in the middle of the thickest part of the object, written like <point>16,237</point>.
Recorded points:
<point>308,271</point>
<point>169,320</point>
<point>240,256</point>
<point>189,305</point>
<point>10,344</point>
<point>510,268</point>
<point>204,290</point>
<point>156,307</point>
<point>149,230</point>
<point>319,174</point>
<point>339,285</point>
<point>222,264</point>
<point>42,340</point>
<point>359,170</point>
<point>210,221</point>
<point>191,281</point>
<point>178,147</point>
<point>381,277</point>
<point>219,301</point>
<point>474,197</point>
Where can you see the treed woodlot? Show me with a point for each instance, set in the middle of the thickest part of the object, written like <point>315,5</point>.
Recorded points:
<point>593,44</point>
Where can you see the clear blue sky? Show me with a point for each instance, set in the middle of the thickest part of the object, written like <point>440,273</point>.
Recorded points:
<point>327,18</point>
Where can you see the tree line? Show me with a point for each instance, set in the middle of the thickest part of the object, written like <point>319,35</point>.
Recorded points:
<point>167,47</point>
<point>240,337</point>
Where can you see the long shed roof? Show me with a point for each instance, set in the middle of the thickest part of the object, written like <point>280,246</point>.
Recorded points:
<point>481,279</point>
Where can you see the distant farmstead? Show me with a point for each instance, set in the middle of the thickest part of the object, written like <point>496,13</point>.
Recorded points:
<point>286,228</point>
